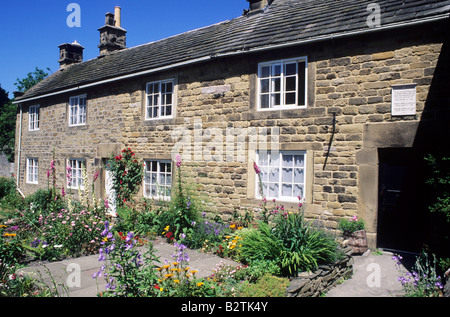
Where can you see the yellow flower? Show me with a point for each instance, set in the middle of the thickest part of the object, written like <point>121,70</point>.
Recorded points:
<point>10,234</point>
<point>232,226</point>
<point>177,281</point>
<point>166,266</point>
<point>200,284</point>
<point>105,239</point>
<point>175,263</point>
<point>166,228</point>
<point>168,275</point>
<point>2,226</point>
<point>239,228</point>
<point>194,271</point>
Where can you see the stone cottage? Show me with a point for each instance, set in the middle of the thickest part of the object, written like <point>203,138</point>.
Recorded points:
<point>335,101</point>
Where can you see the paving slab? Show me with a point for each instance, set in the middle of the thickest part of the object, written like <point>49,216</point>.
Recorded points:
<point>74,277</point>
<point>374,275</point>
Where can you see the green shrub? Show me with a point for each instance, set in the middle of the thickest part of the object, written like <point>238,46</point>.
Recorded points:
<point>292,243</point>
<point>267,286</point>
<point>10,199</point>
<point>7,186</point>
<point>260,244</point>
<point>351,225</point>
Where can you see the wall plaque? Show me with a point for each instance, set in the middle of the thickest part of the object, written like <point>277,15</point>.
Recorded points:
<point>403,100</point>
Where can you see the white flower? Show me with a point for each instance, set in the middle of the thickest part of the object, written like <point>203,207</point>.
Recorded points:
<point>58,246</point>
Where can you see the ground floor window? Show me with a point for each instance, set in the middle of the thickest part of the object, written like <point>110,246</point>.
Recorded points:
<point>158,179</point>
<point>282,174</point>
<point>75,173</point>
<point>32,170</point>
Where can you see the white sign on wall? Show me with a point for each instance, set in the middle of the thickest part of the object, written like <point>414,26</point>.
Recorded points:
<point>403,100</point>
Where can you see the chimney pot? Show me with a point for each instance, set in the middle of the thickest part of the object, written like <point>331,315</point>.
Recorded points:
<point>117,15</point>
<point>256,5</point>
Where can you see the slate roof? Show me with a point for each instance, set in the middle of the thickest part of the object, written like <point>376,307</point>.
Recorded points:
<point>283,22</point>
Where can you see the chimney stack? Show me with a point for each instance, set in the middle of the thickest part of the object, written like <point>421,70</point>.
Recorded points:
<point>256,5</point>
<point>112,35</point>
<point>70,54</point>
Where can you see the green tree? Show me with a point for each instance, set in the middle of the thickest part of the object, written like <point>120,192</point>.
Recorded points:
<point>7,125</point>
<point>32,79</point>
<point>8,111</point>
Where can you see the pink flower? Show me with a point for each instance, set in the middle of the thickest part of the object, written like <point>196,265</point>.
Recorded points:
<point>52,165</point>
<point>354,218</point>
<point>96,175</point>
<point>178,160</point>
<point>63,193</point>
<point>257,170</point>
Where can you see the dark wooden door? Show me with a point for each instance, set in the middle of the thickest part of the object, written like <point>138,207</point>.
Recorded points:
<point>401,212</point>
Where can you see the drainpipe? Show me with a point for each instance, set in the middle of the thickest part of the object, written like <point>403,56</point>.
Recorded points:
<point>18,153</point>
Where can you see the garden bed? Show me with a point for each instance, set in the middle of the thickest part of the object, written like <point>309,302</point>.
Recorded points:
<point>314,284</point>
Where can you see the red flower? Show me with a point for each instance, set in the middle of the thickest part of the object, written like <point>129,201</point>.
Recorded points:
<point>156,286</point>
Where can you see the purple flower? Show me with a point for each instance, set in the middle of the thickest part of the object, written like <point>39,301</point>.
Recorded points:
<point>178,157</point>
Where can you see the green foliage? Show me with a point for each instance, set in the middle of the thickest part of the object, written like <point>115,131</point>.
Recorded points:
<point>267,286</point>
<point>294,245</point>
<point>143,223</point>
<point>127,173</point>
<point>8,113</point>
<point>11,250</point>
<point>32,79</point>
<point>260,244</point>
<point>351,225</point>
<point>7,186</point>
<point>258,268</point>
<point>439,184</point>
<point>10,199</point>
<point>183,210</point>
<point>423,280</point>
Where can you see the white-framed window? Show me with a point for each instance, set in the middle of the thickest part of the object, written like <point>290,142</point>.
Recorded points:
<point>33,116</point>
<point>282,174</point>
<point>32,170</point>
<point>77,110</point>
<point>75,173</point>
<point>158,179</point>
<point>160,98</point>
<point>282,84</point>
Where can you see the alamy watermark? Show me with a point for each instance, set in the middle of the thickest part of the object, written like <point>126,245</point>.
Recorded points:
<point>74,18</point>
<point>229,144</point>
<point>374,18</point>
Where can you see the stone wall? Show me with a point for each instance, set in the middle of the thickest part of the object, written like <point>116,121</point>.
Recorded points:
<point>314,284</point>
<point>349,80</point>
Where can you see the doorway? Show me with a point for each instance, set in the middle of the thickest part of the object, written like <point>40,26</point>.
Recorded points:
<point>402,218</point>
<point>110,193</point>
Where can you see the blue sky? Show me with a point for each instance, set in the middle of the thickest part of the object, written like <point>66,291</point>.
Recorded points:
<point>32,30</point>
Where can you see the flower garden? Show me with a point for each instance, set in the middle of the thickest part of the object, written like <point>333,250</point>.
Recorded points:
<point>50,225</point>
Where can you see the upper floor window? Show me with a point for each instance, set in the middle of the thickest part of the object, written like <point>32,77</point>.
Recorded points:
<point>33,116</point>
<point>282,84</point>
<point>158,179</point>
<point>75,173</point>
<point>32,170</point>
<point>77,110</point>
<point>282,174</point>
<point>159,99</point>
